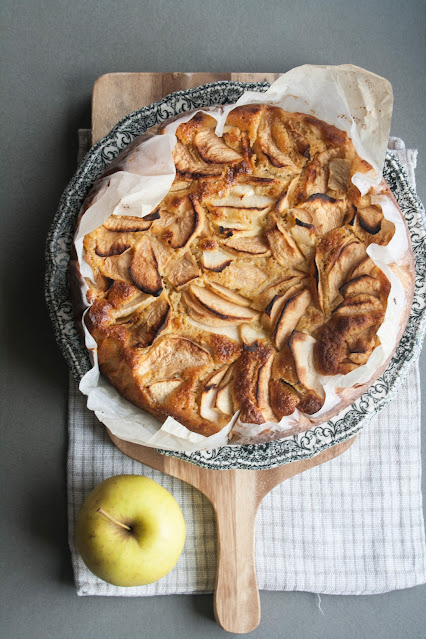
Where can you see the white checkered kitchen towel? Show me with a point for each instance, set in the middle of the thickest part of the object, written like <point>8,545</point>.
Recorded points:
<point>351,526</point>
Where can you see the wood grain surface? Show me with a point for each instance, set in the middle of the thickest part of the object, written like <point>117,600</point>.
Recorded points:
<point>118,94</point>
<point>234,494</point>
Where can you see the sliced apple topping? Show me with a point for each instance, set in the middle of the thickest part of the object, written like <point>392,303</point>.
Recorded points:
<point>283,247</point>
<point>216,260</point>
<point>223,401</point>
<point>301,346</point>
<point>246,390</point>
<point>172,356</point>
<point>245,276</point>
<point>186,163</point>
<point>249,245</point>
<point>283,283</point>
<point>275,143</point>
<point>317,172</point>
<point>232,219</point>
<point>185,227</point>
<point>129,224</point>
<point>370,219</point>
<point>305,238</point>
<point>289,317</point>
<point>223,309</point>
<point>250,335</point>
<point>361,284</point>
<point>208,395</point>
<point>360,303</point>
<point>365,267</point>
<point>322,211</point>
<point>160,391</point>
<point>243,195</point>
<point>144,269</point>
<point>339,174</point>
<point>229,294</point>
<point>117,267</point>
<point>127,311</point>
<point>152,321</point>
<point>337,254</point>
<point>262,389</point>
<point>275,306</point>
<point>182,270</point>
<point>213,149</point>
<point>163,253</point>
<point>200,314</point>
<point>109,243</point>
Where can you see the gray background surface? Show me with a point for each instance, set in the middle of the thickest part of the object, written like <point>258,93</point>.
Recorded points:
<point>53,51</point>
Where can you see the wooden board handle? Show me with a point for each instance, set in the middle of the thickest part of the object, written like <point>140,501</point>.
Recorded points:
<point>236,599</point>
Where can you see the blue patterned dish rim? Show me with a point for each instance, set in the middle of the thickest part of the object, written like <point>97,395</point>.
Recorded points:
<point>248,456</point>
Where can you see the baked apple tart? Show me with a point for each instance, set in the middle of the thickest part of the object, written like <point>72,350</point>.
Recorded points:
<point>250,283</point>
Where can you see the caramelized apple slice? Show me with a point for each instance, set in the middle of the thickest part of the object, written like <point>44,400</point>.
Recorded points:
<point>223,309</point>
<point>361,284</point>
<point>283,247</point>
<point>250,245</point>
<point>183,230</point>
<point>250,335</point>
<point>274,308</point>
<point>148,325</point>
<point>130,224</point>
<point>182,270</point>
<point>117,267</point>
<point>262,389</point>
<point>213,149</point>
<point>208,396</point>
<point>171,356</point>
<point>289,317</point>
<point>268,145</point>
<point>370,219</point>
<point>144,269</point>
<point>365,267</point>
<point>216,260</point>
<point>161,390</point>
<point>224,402</point>
<point>339,174</point>
<point>317,172</point>
<point>322,211</point>
<point>301,346</point>
<point>109,243</point>
<point>188,164</point>
<point>359,304</point>
<point>201,314</point>
<point>337,254</point>
<point>229,294</point>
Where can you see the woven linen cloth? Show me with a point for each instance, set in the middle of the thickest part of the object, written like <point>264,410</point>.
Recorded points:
<point>351,526</point>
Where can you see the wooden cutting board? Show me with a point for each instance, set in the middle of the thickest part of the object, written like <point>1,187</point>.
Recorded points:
<point>234,494</point>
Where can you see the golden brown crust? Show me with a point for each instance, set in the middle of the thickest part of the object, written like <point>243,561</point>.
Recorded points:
<point>207,305</point>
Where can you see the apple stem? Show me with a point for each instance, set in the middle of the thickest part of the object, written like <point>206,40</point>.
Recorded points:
<point>102,511</point>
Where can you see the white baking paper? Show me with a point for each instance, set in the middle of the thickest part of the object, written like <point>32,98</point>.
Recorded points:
<point>348,97</point>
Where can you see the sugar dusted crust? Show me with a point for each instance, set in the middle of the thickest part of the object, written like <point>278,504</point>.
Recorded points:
<point>209,304</point>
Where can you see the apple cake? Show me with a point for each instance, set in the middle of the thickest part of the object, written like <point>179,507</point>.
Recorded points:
<point>250,282</point>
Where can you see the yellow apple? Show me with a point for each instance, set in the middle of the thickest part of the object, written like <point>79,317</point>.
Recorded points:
<point>130,531</point>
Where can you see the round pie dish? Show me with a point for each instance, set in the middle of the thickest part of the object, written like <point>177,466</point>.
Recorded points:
<point>269,454</point>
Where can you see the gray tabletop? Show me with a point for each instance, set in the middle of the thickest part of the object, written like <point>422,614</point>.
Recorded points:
<point>53,51</point>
